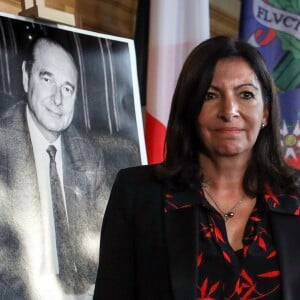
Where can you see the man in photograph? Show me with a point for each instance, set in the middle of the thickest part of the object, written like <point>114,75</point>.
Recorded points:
<point>52,185</point>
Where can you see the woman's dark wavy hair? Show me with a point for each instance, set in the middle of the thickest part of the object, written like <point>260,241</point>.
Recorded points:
<point>181,165</point>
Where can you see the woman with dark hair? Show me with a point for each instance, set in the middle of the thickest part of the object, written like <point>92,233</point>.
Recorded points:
<point>219,218</point>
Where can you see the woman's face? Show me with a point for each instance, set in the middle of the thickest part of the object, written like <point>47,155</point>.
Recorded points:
<point>233,111</point>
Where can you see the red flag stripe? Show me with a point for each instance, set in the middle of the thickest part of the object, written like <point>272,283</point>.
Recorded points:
<point>155,133</point>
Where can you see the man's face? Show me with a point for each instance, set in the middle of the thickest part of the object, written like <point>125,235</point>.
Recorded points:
<point>51,89</point>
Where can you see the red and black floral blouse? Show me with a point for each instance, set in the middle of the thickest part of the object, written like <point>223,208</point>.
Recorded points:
<point>250,273</point>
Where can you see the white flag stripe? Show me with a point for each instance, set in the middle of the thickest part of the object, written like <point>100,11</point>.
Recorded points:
<point>176,26</point>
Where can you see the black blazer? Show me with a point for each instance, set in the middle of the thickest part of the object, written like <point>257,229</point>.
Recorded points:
<point>146,254</point>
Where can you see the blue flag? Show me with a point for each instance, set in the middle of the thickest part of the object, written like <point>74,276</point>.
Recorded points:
<point>273,26</point>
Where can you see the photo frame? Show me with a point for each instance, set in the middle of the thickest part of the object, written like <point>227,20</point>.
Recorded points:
<point>105,135</point>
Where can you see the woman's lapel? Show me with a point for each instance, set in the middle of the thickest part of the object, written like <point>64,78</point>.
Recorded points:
<point>181,230</point>
<point>284,213</point>
<point>285,229</point>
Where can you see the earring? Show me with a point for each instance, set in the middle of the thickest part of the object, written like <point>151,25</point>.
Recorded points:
<point>263,125</point>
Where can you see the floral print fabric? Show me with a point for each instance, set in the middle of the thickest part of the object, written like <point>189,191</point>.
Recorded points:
<point>250,273</point>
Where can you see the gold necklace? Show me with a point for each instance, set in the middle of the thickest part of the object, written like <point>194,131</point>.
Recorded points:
<point>231,212</point>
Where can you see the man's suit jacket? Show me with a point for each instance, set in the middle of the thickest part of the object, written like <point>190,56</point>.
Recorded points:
<point>146,254</point>
<point>21,237</point>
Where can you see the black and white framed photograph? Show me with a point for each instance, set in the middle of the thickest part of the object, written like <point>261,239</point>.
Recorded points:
<point>70,118</point>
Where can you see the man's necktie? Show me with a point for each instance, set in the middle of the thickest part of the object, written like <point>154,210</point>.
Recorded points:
<point>66,262</point>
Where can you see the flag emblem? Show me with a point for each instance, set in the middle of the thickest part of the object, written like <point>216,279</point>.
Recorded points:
<point>291,144</point>
<point>273,27</point>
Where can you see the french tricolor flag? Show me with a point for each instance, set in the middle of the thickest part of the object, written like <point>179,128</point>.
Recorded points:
<point>176,27</point>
